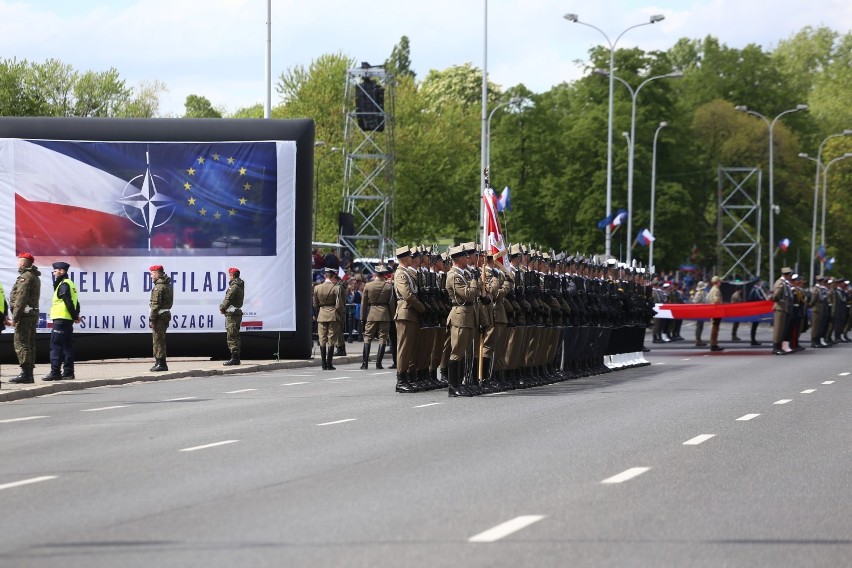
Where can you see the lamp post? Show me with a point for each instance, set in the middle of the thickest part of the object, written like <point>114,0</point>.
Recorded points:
<point>662,125</point>
<point>576,19</point>
<point>825,200</point>
<point>512,101</point>
<point>771,126</point>
<point>319,144</point>
<point>634,94</point>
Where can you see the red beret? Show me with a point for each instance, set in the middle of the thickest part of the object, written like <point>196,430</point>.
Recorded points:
<point>232,270</point>
<point>156,267</point>
<point>26,255</point>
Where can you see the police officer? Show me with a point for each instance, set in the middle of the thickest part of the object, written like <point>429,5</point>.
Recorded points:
<point>231,308</point>
<point>328,301</point>
<point>376,304</point>
<point>24,304</point>
<point>65,312</point>
<point>160,315</point>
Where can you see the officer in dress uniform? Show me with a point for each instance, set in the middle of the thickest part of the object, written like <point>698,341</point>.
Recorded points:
<point>160,316</point>
<point>328,301</point>
<point>819,307</point>
<point>407,318</point>
<point>782,312</point>
<point>464,293</point>
<point>231,308</point>
<point>65,312</point>
<point>715,297</point>
<point>24,304</point>
<point>376,314</point>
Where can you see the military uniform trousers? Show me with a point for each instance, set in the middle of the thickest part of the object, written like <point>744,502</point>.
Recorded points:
<point>779,324</point>
<point>328,332</point>
<point>380,329</point>
<point>62,346</point>
<point>25,336</point>
<point>407,335</point>
<point>233,321</point>
<point>161,324</point>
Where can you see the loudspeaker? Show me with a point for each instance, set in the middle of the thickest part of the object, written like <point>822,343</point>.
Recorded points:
<point>370,105</point>
<point>346,223</point>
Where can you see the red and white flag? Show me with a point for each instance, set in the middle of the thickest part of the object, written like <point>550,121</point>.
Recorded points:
<point>492,236</point>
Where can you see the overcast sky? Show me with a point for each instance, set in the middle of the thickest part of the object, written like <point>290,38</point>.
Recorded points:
<point>216,48</point>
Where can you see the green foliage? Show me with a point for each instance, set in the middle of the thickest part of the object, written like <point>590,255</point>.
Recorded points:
<point>199,107</point>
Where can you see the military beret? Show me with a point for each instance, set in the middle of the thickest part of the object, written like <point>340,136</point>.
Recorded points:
<point>233,270</point>
<point>26,255</point>
<point>62,265</point>
<point>156,268</point>
<point>402,252</point>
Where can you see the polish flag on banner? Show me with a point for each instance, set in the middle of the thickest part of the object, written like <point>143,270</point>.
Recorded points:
<point>784,244</point>
<point>710,311</point>
<point>492,235</point>
<point>645,237</point>
<point>504,202</point>
<point>75,198</point>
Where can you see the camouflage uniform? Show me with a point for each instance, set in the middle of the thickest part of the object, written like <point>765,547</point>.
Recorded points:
<point>231,308</point>
<point>24,304</point>
<point>162,297</point>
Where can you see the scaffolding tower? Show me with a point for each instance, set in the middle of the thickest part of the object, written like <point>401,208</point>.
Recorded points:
<point>366,222</point>
<point>738,222</point>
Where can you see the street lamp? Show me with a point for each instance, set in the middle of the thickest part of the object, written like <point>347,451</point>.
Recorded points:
<point>576,19</point>
<point>512,101</point>
<point>634,94</point>
<point>771,126</point>
<point>653,193</point>
<point>319,144</point>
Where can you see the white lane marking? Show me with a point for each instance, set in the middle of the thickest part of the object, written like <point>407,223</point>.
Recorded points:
<point>748,417</point>
<point>27,481</point>
<point>425,405</point>
<point>660,363</point>
<point>843,374</point>
<point>335,378</point>
<point>293,384</point>
<point>180,398</point>
<point>808,391</point>
<point>205,446</point>
<point>828,382</point>
<point>505,529</point>
<point>337,422</point>
<point>239,391</point>
<point>496,393</point>
<point>300,375</point>
<point>783,401</point>
<point>104,408</point>
<point>685,359</point>
<point>382,373</point>
<point>25,418</point>
<point>698,439</point>
<point>626,475</point>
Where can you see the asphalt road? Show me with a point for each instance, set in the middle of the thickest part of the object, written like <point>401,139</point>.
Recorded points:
<point>696,460</point>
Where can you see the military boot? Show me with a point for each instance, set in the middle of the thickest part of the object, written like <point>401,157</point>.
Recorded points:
<point>25,378</point>
<point>402,384</point>
<point>160,365</point>
<point>365,357</point>
<point>328,361</point>
<point>323,356</point>
<point>341,350</point>
<point>455,388</point>
<point>53,375</point>
<point>379,356</point>
<point>234,360</point>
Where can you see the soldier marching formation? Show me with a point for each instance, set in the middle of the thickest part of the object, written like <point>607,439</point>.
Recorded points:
<point>473,325</point>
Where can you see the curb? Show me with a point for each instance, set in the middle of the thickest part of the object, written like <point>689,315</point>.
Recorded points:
<point>77,384</point>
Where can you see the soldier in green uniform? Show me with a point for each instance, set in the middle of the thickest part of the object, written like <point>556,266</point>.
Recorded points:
<point>231,308</point>
<point>328,301</point>
<point>24,304</point>
<point>376,303</point>
<point>65,312</point>
<point>160,316</point>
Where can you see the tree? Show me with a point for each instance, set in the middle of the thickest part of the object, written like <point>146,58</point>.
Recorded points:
<point>399,62</point>
<point>200,107</point>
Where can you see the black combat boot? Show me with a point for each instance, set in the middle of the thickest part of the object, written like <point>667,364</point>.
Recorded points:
<point>341,350</point>
<point>234,360</point>
<point>25,378</point>
<point>455,388</point>
<point>323,356</point>
<point>442,376</point>
<point>366,357</point>
<point>160,365</point>
<point>402,384</point>
<point>329,358</point>
<point>53,375</point>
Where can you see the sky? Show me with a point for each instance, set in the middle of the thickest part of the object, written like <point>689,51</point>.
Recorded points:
<point>217,48</point>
